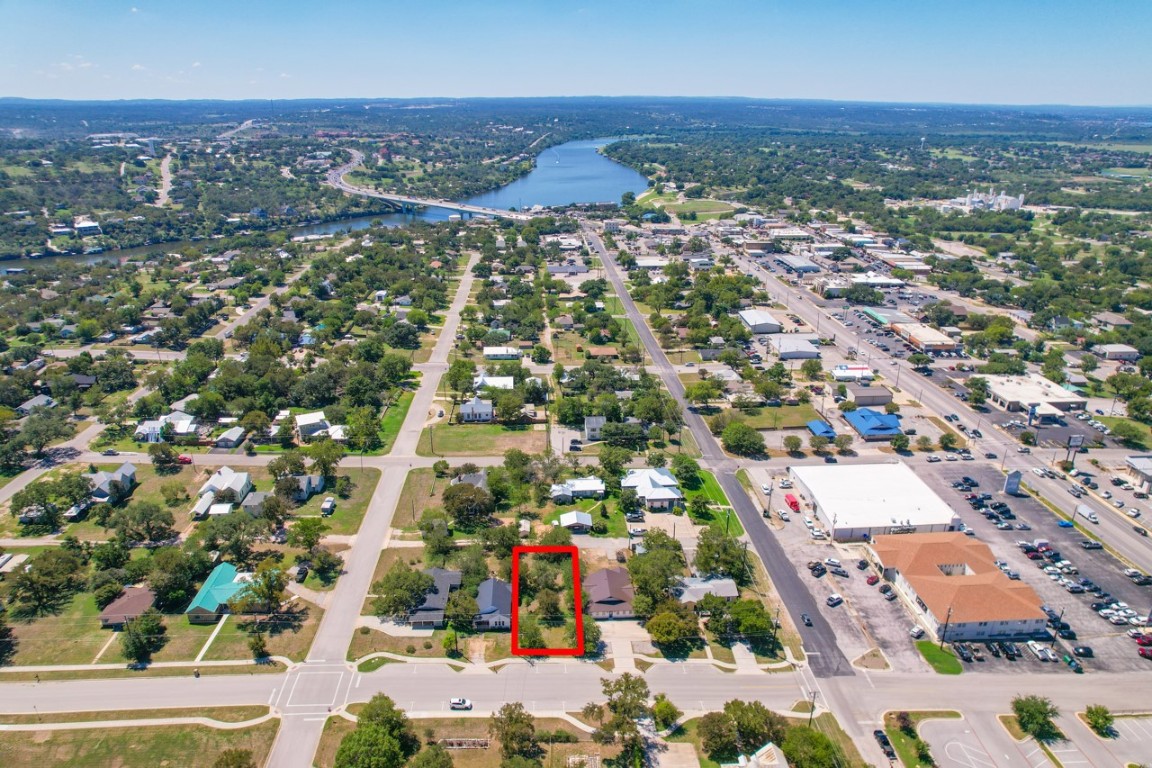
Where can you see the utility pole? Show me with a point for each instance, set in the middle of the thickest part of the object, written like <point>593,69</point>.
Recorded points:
<point>812,708</point>
<point>944,633</point>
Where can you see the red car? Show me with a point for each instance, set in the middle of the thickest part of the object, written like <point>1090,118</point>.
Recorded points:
<point>1144,640</point>
<point>873,579</point>
<point>183,459</point>
<point>1145,652</point>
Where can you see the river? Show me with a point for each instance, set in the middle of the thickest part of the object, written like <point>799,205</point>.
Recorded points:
<point>574,172</point>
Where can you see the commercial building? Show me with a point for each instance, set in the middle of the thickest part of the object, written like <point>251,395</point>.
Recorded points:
<point>861,501</point>
<point>925,338</point>
<point>799,264</point>
<point>953,585</point>
<point>1140,470</point>
<point>853,373</point>
<point>1116,352</point>
<point>874,426</point>
<point>795,346</point>
<point>865,395</point>
<point>759,321</point>
<point>886,317</point>
<point>1045,399</point>
<point>820,428</point>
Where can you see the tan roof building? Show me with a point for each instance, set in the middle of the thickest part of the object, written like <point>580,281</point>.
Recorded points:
<point>609,594</point>
<point>954,585</point>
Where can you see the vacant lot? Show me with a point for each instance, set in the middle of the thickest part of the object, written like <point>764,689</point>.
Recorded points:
<point>479,439</point>
<point>289,634</point>
<point>350,511</point>
<point>784,417</point>
<point>187,746</point>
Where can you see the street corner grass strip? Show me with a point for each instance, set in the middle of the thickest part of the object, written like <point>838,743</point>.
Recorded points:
<point>578,612</point>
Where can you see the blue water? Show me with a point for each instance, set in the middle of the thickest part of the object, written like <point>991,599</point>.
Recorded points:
<point>574,172</point>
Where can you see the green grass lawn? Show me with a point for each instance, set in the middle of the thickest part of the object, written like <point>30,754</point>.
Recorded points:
<point>617,526</point>
<point>719,516</point>
<point>350,511</point>
<point>479,440</point>
<point>393,420</point>
<point>1145,431</point>
<point>188,746</point>
<point>289,637</point>
<point>784,417</point>
<point>940,659</point>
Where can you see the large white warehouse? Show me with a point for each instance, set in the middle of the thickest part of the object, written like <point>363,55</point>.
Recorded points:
<point>860,501</point>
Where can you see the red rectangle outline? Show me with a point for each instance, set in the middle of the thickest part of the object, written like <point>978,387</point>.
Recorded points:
<point>577,589</point>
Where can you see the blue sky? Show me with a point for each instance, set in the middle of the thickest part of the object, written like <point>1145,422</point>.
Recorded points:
<point>967,51</point>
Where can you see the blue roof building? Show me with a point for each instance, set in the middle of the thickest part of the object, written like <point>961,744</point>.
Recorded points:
<point>821,429</point>
<point>874,425</point>
<point>211,602</point>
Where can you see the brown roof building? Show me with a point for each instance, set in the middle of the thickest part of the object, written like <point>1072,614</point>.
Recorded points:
<point>129,605</point>
<point>606,352</point>
<point>608,594</point>
<point>954,585</point>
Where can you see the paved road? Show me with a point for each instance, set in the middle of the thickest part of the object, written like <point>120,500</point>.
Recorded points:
<point>1119,534</point>
<point>825,656</point>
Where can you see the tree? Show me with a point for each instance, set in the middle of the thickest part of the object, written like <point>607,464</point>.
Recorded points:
<point>432,756</point>
<point>1089,363</point>
<point>1035,715</point>
<point>755,724</point>
<point>264,592</point>
<point>664,712</point>
<point>901,443</point>
<point>948,441</point>
<point>792,444</point>
<point>44,426</point>
<point>326,455</point>
<point>369,746</point>
<point>143,521</point>
<point>258,645</point>
<point>804,747</point>
<point>287,464</point>
<point>843,443</point>
<point>742,440</point>
<point>924,443</point>
<point>613,458</point>
<point>163,456</point>
<point>1026,437</point>
<point>717,735</point>
<point>1128,433</point>
<point>307,532</point>
<point>400,591</point>
<point>686,469</point>
<point>174,575</point>
<point>977,391</point>
<point>143,636</point>
<point>627,703</point>
<point>668,628</point>
<point>469,505</point>
<point>461,610</point>
<point>812,370</point>
<point>382,712</point>
<point>1099,719</point>
<point>174,493</point>
<point>720,554</point>
<point>235,758</point>
<point>818,443</point>
<point>515,728</point>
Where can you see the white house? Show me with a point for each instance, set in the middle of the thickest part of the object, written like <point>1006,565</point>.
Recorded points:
<point>227,479</point>
<point>592,427</point>
<point>577,522</point>
<point>231,438</point>
<point>476,411</point>
<point>493,382</point>
<point>310,426</point>
<point>656,488</point>
<point>501,353</point>
<point>577,488</point>
<point>151,430</point>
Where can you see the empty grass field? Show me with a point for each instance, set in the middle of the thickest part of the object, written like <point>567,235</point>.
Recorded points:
<point>940,659</point>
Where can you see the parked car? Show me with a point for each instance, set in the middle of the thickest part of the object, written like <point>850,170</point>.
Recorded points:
<point>834,600</point>
<point>110,452</point>
<point>301,574</point>
<point>460,704</point>
<point>1083,651</point>
<point>183,459</point>
<point>916,632</point>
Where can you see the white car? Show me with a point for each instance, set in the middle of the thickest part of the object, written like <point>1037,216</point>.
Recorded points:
<point>460,704</point>
<point>916,632</point>
<point>834,600</point>
<point>766,487</point>
<point>933,459</point>
<point>783,514</point>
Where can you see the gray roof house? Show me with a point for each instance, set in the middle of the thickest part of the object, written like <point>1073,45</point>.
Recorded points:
<point>307,486</point>
<point>476,411</point>
<point>227,479</point>
<point>109,486</point>
<point>40,401</point>
<point>253,503</point>
<point>478,479</point>
<point>693,589</point>
<point>231,438</point>
<point>430,613</point>
<point>494,598</point>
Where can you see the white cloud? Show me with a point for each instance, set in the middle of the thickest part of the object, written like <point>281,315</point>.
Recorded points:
<point>135,9</point>
<point>195,64</point>
<point>285,76</point>
<point>86,65</point>
<point>138,67</point>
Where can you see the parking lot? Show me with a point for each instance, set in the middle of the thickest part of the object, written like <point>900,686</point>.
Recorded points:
<point>1133,742</point>
<point>1113,649</point>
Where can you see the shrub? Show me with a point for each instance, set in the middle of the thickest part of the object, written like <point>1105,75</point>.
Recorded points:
<point>410,649</point>
<point>427,644</point>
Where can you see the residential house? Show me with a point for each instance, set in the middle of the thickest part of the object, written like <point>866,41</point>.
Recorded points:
<point>227,479</point>
<point>576,521</point>
<point>768,756</point>
<point>202,505</point>
<point>476,411</point>
<point>593,425</point>
<point>307,486</point>
<point>430,613</point>
<point>253,503</point>
<point>112,486</point>
<point>231,438</point>
<point>609,594</point>
<point>1112,321</point>
<point>310,426</point>
<point>478,479</point>
<point>180,424</point>
<point>211,601</point>
<point>83,381</point>
<point>40,401</point>
<point>130,605</point>
<point>658,489</point>
<point>577,488</point>
<point>502,353</point>
<point>493,382</point>
<point>494,599</point>
<point>693,589</point>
